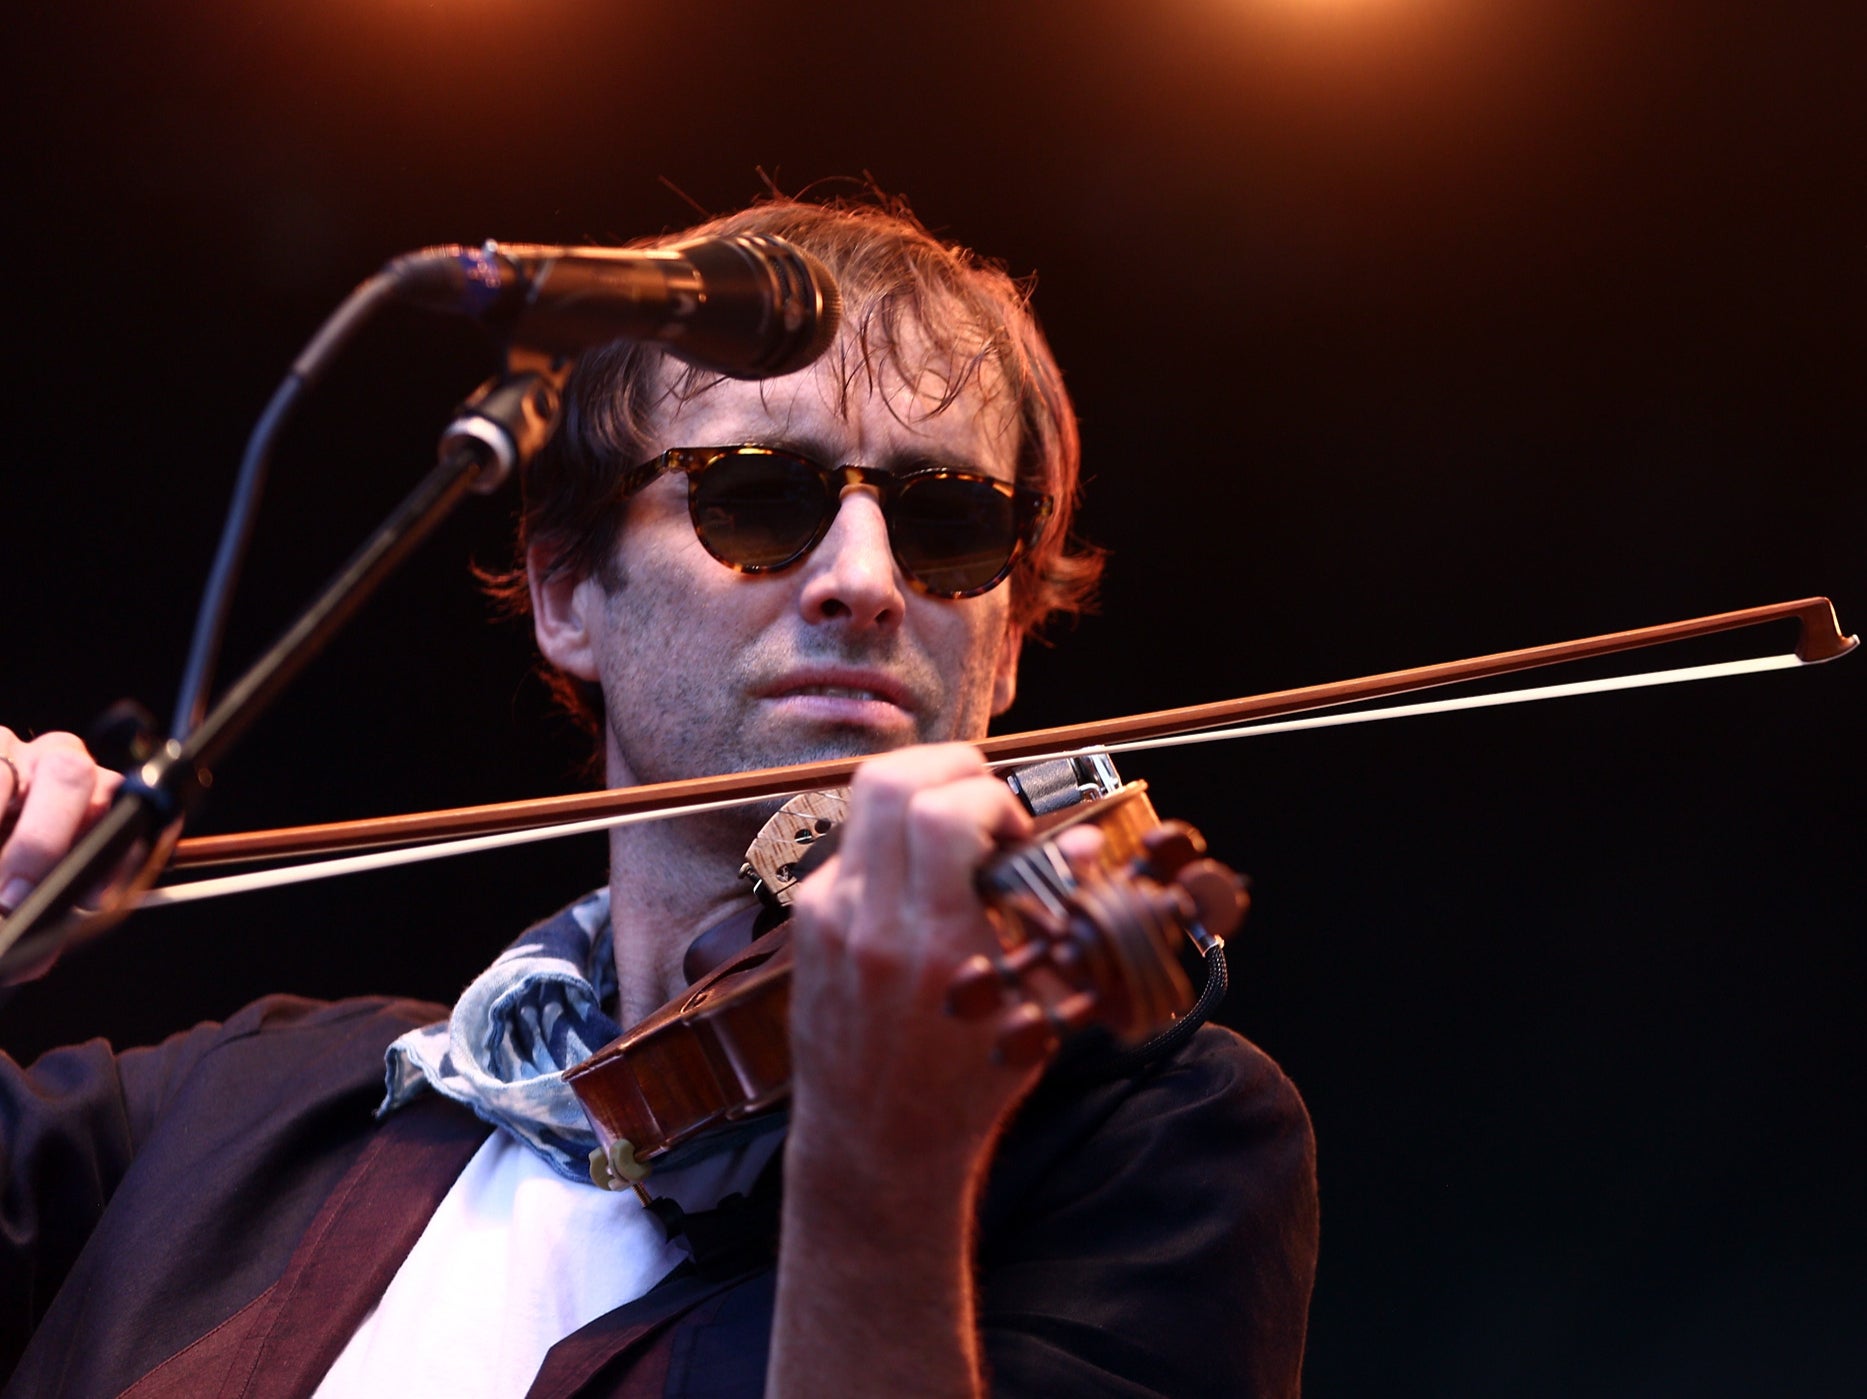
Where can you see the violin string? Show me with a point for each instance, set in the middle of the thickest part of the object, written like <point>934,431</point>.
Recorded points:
<point>1039,882</point>
<point>1046,866</point>
<point>385,859</point>
<point>1060,872</point>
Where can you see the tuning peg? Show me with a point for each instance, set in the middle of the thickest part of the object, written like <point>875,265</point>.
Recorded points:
<point>1218,897</point>
<point>1025,1037</point>
<point>1170,846</point>
<point>978,986</point>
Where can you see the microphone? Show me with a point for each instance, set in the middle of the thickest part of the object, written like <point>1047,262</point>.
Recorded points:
<point>749,306</point>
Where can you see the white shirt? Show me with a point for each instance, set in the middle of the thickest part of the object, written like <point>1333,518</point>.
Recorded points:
<point>515,1259</point>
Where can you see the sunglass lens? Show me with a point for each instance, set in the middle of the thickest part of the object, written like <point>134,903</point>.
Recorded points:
<point>758,509</point>
<point>955,535</point>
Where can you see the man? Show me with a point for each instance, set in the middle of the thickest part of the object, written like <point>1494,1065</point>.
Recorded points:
<point>716,589</point>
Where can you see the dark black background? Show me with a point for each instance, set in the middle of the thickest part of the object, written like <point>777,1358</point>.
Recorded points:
<point>1402,330</point>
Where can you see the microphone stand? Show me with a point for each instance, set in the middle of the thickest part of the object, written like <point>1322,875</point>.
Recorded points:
<point>499,428</point>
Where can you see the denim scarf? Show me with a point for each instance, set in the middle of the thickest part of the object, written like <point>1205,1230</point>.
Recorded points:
<point>537,1011</point>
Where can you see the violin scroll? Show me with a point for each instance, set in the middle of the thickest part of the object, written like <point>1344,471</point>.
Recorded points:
<point>1102,948</point>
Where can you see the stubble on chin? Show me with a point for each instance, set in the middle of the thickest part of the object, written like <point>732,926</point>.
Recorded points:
<point>670,717</point>
<point>724,731</point>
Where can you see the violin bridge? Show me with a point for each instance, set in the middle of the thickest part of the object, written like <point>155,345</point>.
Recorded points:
<point>778,855</point>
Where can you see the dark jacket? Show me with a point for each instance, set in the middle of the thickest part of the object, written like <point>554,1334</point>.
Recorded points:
<point>216,1214</point>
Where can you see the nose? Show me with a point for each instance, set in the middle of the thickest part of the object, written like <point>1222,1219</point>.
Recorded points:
<point>851,576</point>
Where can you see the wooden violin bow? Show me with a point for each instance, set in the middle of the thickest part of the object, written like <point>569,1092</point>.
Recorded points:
<point>1820,639</point>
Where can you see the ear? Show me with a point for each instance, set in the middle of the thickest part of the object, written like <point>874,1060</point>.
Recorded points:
<point>565,617</point>
<point>1005,678</point>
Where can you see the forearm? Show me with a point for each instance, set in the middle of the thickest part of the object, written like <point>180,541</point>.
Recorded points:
<point>875,1287</point>
<point>896,1105</point>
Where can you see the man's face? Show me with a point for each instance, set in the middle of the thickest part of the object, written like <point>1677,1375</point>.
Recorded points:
<point>705,670</point>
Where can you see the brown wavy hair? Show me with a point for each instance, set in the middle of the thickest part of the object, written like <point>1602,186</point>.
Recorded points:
<point>903,290</point>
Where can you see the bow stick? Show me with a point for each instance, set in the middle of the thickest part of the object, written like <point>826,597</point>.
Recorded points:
<point>463,830</point>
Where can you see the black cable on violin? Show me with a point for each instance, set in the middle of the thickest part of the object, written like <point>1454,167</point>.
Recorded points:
<point>1093,1057</point>
<point>1218,982</point>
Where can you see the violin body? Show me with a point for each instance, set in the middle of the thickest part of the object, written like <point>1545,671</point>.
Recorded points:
<point>1099,948</point>
<point>712,1057</point>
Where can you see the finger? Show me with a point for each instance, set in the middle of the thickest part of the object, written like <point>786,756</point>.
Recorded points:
<point>1081,846</point>
<point>874,835</point>
<point>951,830</point>
<point>12,776</point>
<point>62,789</point>
<point>10,790</point>
<point>104,781</point>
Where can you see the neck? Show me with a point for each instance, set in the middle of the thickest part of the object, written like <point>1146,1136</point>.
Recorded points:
<point>668,880</point>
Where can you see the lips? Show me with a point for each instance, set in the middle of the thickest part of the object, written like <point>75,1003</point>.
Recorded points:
<point>858,686</point>
<point>834,692</point>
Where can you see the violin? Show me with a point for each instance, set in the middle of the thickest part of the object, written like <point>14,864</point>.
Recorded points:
<point>1079,948</point>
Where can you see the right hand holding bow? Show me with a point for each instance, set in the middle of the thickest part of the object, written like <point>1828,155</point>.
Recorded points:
<point>51,792</point>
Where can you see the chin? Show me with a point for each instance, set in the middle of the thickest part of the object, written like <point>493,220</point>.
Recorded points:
<point>851,741</point>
